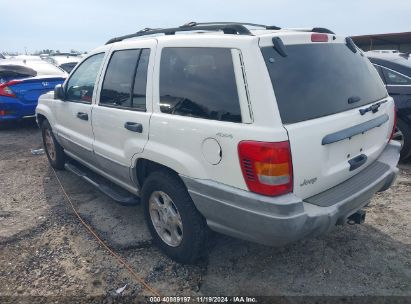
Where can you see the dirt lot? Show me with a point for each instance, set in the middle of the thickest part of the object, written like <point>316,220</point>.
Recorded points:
<point>45,251</point>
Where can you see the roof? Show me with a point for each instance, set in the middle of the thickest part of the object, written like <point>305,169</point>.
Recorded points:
<point>231,28</point>
<point>383,39</point>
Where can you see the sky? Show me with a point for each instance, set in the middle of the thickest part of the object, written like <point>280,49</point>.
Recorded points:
<point>86,24</point>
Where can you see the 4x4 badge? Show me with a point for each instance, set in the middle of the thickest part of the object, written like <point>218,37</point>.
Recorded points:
<point>45,84</point>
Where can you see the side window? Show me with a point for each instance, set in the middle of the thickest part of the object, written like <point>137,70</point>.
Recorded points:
<point>199,82</point>
<point>126,73</point>
<point>379,70</point>
<point>80,86</point>
<point>140,81</point>
<point>394,78</point>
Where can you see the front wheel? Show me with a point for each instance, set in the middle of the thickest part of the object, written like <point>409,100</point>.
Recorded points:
<point>175,224</point>
<point>54,151</point>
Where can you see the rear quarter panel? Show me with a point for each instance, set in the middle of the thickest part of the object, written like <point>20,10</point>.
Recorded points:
<point>177,141</point>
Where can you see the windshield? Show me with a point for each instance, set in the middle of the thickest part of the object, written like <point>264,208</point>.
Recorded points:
<point>316,80</point>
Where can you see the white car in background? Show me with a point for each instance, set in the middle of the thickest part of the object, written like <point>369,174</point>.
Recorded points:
<point>34,62</point>
<point>65,61</point>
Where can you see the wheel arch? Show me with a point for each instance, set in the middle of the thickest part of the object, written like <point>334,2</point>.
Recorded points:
<point>44,113</point>
<point>144,167</point>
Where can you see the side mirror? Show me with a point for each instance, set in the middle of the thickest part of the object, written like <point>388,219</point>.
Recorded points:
<point>59,92</point>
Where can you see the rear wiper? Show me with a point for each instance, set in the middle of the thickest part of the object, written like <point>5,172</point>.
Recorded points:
<point>279,46</point>
<point>374,108</point>
<point>350,44</point>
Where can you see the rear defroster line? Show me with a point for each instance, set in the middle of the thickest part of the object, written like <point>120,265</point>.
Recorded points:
<point>115,255</point>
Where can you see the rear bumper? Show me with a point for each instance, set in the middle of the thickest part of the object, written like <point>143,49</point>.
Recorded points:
<point>16,108</point>
<point>280,220</point>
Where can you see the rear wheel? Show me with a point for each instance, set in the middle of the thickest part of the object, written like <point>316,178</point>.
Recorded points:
<point>403,135</point>
<point>176,226</point>
<point>54,151</point>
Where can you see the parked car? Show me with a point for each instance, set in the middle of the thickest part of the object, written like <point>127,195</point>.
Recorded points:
<point>395,71</point>
<point>66,61</point>
<point>265,134</point>
<point>21,84</point>
<point>384,52</point>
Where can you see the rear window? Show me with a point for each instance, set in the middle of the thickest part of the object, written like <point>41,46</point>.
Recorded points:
<point>68,67</point>
<point>317,80</point>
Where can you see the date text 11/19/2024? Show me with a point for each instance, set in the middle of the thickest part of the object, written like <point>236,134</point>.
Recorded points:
<point>203,299</point>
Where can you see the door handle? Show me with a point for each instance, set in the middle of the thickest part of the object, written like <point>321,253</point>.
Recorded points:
<point>134,126</point>
<point>82,115</point>
<point>357,161</point>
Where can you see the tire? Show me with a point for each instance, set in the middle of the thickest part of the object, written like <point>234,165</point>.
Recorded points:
<point>54,151</point>
<point>192,243</point>
<point>406,134</point>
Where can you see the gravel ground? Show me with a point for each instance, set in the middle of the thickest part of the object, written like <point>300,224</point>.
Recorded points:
<point>45,251</point>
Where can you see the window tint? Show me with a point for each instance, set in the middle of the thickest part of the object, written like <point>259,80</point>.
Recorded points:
<point>116,88</point>
<point>80,86</point>
<point>317,80</point>
<point>199,82</point>
<point>119,79</point>
<point>140,82</point>
<point>380,72</point>
<point>392,77</point>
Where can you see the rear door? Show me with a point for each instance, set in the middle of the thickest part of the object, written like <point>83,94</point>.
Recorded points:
<point>324,93</point>
<point>121,117</point>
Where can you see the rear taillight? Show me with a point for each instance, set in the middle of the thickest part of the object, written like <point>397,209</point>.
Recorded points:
<point>5,89</point>
<point>394,127</point>
<point>266,167</point>
<point>5,112</point>
<point>316,37</point>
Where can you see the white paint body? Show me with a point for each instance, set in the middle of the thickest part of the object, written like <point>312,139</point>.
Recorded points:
<point>177,141</point>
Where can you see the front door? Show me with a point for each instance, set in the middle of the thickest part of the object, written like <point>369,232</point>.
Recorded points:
<point>73,123</point>
<point>121,116</point>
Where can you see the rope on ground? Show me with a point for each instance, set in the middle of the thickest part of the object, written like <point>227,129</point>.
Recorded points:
<point>115,255</point>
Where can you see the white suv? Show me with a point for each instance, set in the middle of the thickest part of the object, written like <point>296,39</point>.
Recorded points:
<point>264,134</point>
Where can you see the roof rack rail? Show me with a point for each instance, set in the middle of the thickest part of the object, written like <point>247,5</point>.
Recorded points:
<point>237,28</point>
<point>314,29</point>
<point>267,27</point>
<point>322,30</point>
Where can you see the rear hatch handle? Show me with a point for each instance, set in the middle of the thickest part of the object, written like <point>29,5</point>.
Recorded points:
<point>357,161</point>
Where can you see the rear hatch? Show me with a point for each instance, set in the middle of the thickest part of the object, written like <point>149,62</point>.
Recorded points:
<point>29,90</point>
<point>324,92</point>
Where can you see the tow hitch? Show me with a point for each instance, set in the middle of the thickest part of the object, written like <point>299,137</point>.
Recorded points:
<point>356,218</point>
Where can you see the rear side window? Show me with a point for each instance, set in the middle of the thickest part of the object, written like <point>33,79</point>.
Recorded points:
<point>199,82</point>
<point>394,78</point>
<point>124,84</point>
<point>379,72</point>
<point>317,80</point>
